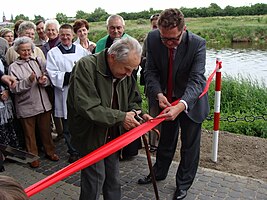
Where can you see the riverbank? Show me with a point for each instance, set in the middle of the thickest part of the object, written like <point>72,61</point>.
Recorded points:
<point>231,29</point>
<point>216,30</point>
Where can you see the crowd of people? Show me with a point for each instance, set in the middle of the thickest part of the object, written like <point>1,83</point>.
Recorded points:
<point>54,77</point>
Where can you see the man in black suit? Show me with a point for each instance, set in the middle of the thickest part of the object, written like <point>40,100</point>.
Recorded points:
<point>187,81</point>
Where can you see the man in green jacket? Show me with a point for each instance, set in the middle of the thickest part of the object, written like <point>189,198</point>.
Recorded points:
<point>115,28</point>
<point>101,95</point>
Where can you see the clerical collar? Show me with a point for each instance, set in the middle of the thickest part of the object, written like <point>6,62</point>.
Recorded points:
<point>66,50</point>
<point>67,47</point>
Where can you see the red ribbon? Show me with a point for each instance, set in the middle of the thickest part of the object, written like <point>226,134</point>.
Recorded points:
<point>95,156</point>
<point>209,80</point>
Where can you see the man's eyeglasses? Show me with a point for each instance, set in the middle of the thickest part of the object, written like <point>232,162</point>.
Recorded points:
<point>115,27</point>
<point>176,39</point>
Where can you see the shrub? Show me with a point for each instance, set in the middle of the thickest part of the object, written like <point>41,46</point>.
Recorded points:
<point>243,106</point>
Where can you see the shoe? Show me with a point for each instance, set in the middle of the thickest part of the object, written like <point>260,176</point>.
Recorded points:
<point>35,164</point>
<point>73,158</point>
<point>148,179</point>
<point>145,180</point>
<point>53,157</point>
<point>179,194</point>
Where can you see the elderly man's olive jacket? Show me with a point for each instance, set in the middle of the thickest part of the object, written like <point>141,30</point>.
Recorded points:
<point>89,102</point>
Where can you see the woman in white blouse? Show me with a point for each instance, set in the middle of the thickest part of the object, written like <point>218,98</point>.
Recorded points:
<point>81,29</point>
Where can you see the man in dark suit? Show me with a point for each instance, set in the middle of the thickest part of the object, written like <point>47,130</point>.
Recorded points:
<point>187,81</point>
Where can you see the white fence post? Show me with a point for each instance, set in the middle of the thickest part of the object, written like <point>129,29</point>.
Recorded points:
<point>217,102</point>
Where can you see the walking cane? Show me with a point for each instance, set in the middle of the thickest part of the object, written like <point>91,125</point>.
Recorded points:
<point>152,174</point>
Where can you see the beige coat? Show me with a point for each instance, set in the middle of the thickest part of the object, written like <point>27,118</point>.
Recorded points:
<point>30,98</point>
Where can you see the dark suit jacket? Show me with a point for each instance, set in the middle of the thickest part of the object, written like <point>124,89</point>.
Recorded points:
<point>188,72</point>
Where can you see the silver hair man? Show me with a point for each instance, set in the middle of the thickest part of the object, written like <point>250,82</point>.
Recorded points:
<point>122,47</point>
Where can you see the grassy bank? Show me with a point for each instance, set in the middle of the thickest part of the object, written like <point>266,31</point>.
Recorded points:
<point>219,30</point>
<point>243,107</point>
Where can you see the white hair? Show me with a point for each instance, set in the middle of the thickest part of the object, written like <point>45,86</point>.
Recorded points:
<point>23,40</point>
<point>26,25</point>
<point>111,17</point>
<point>51,21</point>
<point>122,47</point>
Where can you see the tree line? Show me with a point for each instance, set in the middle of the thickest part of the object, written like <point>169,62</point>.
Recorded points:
<point>100,14</point>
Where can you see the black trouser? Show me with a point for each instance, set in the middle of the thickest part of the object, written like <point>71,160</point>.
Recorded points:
<point>190,150</point>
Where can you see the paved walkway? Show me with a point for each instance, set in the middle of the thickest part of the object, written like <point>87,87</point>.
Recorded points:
<point>208,184</point>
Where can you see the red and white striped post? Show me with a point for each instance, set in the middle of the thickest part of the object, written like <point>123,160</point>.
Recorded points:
<point>217,102</point>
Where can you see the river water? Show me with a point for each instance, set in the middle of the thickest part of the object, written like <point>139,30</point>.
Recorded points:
<point>240,60</point>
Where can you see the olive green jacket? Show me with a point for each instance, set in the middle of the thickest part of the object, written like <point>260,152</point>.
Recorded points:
<point>89,102</point>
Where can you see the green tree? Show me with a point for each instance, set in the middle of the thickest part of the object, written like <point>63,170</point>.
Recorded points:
<point>230,11</point>
<point>190,12</point>
<point>21,16</point>
<point>82,15</point>
<point>259,9</point>
<point>61,18</point>
<point>37,18</point>
<point>99,14</point>
<point>214,10</point>
<point>243,10</point>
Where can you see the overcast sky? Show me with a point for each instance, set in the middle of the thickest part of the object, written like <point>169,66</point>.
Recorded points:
<point>49,8</point>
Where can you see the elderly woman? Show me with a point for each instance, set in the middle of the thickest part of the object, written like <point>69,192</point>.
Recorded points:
<point>8,35</point>
<point>32,104</point>
<point>51,28</point>
<point>81,29</point>
<point>26,28</point>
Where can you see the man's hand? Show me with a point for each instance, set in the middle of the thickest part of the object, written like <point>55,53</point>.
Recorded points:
<point>9,80</point>
<point>170,113</point>
<point>147,117</point>
<point>163,102</point>
<point>129,121</point>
